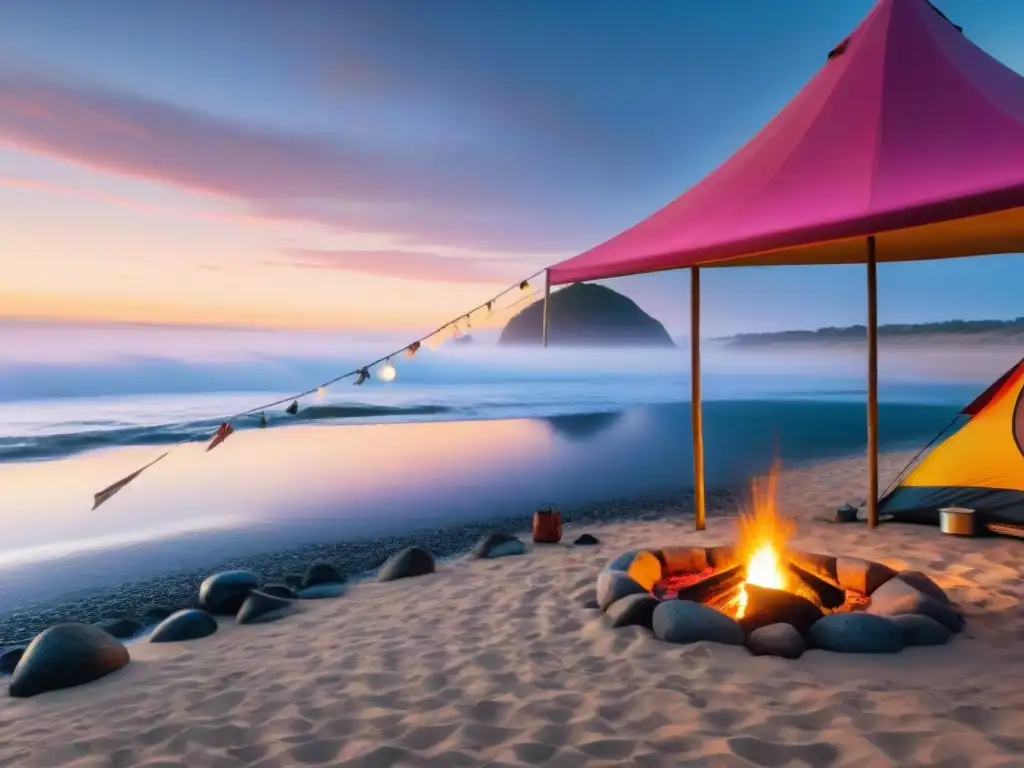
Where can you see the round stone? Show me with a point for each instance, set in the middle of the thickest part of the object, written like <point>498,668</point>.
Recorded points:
<point>857,633</point>
<point>64,656</point>
<point>223,593</point>
<point>683,622</point>
<point>407,563</point>
<point>188,624</point>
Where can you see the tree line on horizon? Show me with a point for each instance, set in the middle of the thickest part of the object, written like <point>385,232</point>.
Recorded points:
<point>942,328</point>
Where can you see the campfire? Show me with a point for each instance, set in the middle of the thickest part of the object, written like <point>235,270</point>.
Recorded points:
<point>759,580</point>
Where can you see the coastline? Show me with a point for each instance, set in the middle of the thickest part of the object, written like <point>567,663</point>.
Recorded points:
<point>356,558</point>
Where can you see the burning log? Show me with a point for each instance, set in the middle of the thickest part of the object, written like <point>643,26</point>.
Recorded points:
<point>829,595</point>
<point>709,589</point>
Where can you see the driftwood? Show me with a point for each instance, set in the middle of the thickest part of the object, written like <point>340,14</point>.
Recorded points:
<point>829,595</point>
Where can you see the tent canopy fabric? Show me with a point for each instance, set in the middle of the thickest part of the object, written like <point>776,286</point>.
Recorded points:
<point>909,132</point>
<point>980,466</point>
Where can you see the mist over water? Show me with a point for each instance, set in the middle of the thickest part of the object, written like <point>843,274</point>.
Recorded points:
<point>465,433</point>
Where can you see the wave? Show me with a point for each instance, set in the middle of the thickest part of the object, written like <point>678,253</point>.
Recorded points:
<point>111,434</point>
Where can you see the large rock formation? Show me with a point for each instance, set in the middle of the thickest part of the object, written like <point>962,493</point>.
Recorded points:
<point>586,315</point>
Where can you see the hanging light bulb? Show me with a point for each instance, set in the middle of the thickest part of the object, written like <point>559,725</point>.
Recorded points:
<point>490,307</point>
<point>524,286</point>
<point>412,349</point>
<point>292,409</point>
<point>320,392</point>
<point>263,419</point>
<point>388,372</point>
<point>361,375</point>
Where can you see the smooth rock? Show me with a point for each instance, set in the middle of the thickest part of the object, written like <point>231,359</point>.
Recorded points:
<point>223,593</point>
<point>621,562</point>
<point>64,656</point>
<point>823,566</point>
<point>683,622</point>
<point>776,606</point>
<point>857,633</point>
<point>864,576</point>
<point>776,640</point>
<point>897,596</point>
<point>321,592</point>
<point>262,607</point>
<point>121,628</point>
<point>633,610</point>
<point>187,624</point>
<point>406,564</point>
<point>684,559</point>
<point>279,590</point>
<point>498,544</point>
<point>923,583</point>
<point>586,540</point>
<point>321,573</point>
<point>615,585</point>
<point>921,630</point>
<point>9,660</point>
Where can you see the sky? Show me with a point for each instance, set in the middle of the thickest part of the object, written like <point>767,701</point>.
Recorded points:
<point>372,165</point>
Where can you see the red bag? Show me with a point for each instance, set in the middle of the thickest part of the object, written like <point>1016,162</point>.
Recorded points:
<point>547,526</point>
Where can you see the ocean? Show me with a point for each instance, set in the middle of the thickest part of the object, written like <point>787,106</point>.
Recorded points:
<point>461,434</point>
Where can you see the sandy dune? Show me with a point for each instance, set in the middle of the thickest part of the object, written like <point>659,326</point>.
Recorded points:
<point>498,663</point>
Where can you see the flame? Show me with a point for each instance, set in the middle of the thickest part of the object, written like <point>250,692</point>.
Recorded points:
<point>761,538</point>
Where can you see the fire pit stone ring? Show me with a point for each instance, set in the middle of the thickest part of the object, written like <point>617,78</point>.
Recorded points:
<point>842,604</point>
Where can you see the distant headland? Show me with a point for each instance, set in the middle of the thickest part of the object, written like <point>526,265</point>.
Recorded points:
<point>586,315</point>
<point>948,331</point>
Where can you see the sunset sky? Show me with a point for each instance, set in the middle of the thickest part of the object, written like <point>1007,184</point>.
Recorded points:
<point>385,164</point>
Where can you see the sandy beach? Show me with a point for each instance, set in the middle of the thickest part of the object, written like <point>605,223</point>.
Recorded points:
<point>500,663</point>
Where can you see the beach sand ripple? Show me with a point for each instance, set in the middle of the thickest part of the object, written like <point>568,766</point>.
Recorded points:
<point>499,663</point>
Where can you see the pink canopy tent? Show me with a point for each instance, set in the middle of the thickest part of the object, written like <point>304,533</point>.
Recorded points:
<point>907,145</point>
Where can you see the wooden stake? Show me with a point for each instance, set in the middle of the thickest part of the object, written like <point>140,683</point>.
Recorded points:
<point>695,409</point>
<point>547,295</point>
<point>872,385</point>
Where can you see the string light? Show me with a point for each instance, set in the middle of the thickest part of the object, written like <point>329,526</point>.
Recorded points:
<point>388,372</point>
<point>360,375</point>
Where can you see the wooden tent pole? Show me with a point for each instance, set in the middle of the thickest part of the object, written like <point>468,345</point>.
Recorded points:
<point>695,409</point>
<point>872,385</point>
<point>547,295</point>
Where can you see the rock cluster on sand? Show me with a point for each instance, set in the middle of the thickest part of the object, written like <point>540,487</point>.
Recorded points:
<point>223,593</point>
<point>187,624</point>
<point>262,607</point>
<point>906,607</point>
<point>586,540</point>
<point>71,654</point>
<point>498,544</point>
<point>407,563</point>
<point>64,656</point>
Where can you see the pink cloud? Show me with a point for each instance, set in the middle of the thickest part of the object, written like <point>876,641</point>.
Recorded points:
<point>455,196</point>
<point>427,267</point>
<point>121,201</point>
